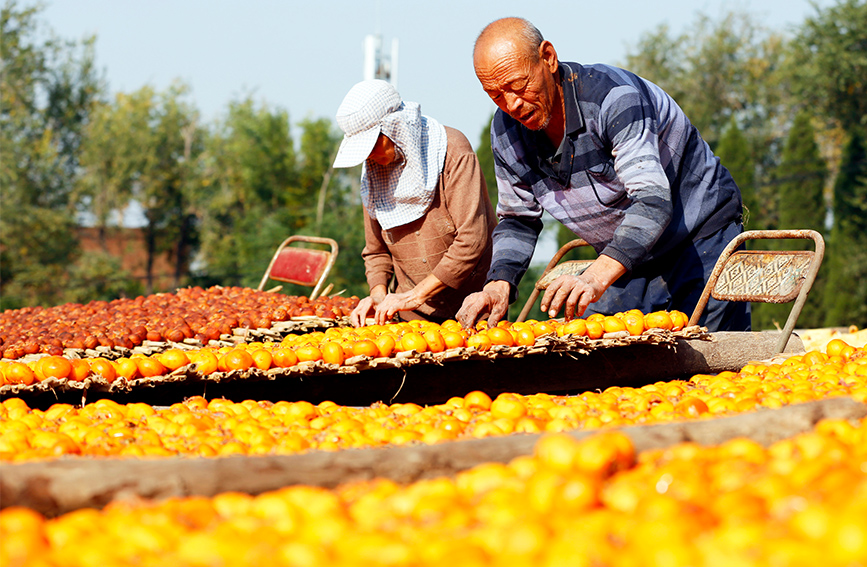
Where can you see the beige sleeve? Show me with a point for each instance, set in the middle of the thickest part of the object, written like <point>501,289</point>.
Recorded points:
<point>466,200</point>
<point>378,266</point>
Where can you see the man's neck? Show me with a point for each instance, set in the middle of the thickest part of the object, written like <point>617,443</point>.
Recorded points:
<point>556,128</point>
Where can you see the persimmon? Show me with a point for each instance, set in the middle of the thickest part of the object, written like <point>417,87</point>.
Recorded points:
<point>500,336</point>
<point>308,353</point>
<point>576,327</point>
<point>477,399</point>
<point>80,370</point>
<point>479,341</point>
<point>434,340</point>
<point>284,357</point>
<point>453,339</point>
<point>262,358</point>
<point>594,327</point>
<point>104,368</point>
<point>19,373</point>
<point>173,359</point>
<point>55,367</point>
<point>525,337</point>
<point>333,353</point>
<point>150,367</point>
<point>385,345</point>
<point>365,347</point>
<point>413,341</point>
<point>611,324</point>
<point>658,320</point>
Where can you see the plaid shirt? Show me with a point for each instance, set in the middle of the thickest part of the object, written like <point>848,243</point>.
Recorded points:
<point>632,177</point>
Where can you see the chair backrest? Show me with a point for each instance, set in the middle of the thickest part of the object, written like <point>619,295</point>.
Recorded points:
<point>768,276</point>
<point>303,266</point>
<point>555,269</point>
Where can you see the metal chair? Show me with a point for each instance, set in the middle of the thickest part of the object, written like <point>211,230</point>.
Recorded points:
<point>767,276</point>
<point>555,269</point>
<point>303,266</point>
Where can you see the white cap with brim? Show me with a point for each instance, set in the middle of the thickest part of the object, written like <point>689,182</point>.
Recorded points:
<point>360,115</point>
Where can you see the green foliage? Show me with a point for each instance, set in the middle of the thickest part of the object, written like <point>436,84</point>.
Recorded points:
<point>47,90</point>
<point>847,249</point>
<point>718,69</point>
<point>828,63</point>
<point>486,161</point>
<point>799,183</point>
<point>734,153</point>
<point>248,199</point>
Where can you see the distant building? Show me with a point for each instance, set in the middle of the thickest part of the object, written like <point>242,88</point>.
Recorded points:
<point>378,65</point>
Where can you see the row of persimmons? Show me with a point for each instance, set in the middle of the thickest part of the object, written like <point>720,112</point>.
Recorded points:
<point>333,346</point>
<point>800,501</point>
<point>219,427</point>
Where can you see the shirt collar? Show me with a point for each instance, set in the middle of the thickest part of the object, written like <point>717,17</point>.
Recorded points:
<point>568,79</point>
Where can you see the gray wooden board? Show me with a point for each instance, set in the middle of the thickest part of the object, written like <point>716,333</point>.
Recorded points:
<point>432,383</point>
<point>62,485</point>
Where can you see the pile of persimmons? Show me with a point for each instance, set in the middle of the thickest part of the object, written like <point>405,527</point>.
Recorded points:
<point>333,346</point>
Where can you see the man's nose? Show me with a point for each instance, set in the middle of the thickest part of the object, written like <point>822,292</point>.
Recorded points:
<point>513,102</point>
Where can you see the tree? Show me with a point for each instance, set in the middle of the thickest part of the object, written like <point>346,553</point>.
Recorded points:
<point>846,299</point>
<point>734,153</point>
<point>828,66</point>
<point>47,90</point>
<point>486,161</point>
<point>799,183</point>
<point>248,200</point>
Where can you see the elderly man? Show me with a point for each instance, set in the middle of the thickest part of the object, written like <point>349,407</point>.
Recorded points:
<point>427,216</point>
<point>611,156</point>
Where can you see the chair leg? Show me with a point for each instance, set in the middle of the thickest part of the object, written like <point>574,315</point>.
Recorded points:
<point>528,305</point>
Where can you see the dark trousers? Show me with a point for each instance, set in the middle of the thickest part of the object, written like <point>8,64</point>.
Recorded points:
<point>675,281</point>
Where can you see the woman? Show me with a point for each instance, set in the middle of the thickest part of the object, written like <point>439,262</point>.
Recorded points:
<point>427,216</point>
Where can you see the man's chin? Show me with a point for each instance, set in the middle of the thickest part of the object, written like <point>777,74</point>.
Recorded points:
<point>532,123</point>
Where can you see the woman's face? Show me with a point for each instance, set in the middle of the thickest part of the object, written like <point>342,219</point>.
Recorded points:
<point>384,151</point>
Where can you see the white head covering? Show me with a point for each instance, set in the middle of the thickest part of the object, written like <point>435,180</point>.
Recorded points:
<point>401,192</point>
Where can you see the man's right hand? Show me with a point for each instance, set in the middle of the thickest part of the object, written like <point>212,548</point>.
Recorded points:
<point>493,299</point>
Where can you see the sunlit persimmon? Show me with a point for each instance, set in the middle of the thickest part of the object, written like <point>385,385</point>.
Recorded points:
<point>262,358</point>
<point>308,353</point>
<point>55,367</point>
<point>453,339</point>
<point>434,340</point>
<point>595,330</point>
<point>173,359</point>
<point>500,336</point>
<point>150,367</point>
<point>413,341</point>
<point>480,341</point>
<point>365,347</point>
<point>104,368</point>
<point>284,357</point>
<point>333,353</point>
<point>126,368</point>
<point>477,399</point>
<point>576,327</point>
<point>19,373</point>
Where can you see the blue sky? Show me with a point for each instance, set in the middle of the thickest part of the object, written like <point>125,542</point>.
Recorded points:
<point>304,56</point>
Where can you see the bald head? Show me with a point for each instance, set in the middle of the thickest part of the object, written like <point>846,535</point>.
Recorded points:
<point>513,34</point>
<point>518,69</point>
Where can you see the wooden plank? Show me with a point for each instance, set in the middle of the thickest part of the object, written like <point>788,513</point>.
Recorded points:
<point>56,487</point>
<point>571,372</point>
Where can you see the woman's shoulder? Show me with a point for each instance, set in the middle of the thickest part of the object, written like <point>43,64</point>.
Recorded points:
<point>457,142</point>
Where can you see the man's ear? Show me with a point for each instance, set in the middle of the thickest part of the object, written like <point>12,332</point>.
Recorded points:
<point>548,54</point>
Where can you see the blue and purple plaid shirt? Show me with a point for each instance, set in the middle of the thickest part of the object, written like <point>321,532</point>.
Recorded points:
<point>632,177</point>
